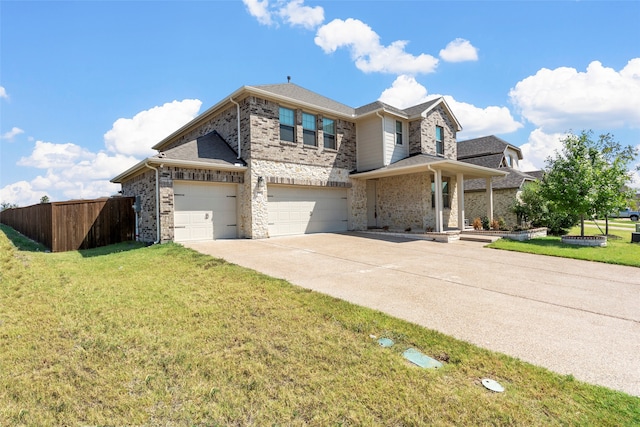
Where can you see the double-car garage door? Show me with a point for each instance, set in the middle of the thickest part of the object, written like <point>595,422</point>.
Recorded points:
<point>206,211</point>
<point>302,210</point>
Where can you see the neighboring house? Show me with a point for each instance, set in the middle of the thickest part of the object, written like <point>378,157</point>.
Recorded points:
<point>277,160</point>
<point>493,152</point>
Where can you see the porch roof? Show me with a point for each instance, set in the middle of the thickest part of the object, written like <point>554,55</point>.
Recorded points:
<point>428,163</point>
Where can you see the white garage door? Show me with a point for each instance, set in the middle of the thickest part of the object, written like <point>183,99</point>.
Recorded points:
<point>204,211</point>
<point>296,210</point>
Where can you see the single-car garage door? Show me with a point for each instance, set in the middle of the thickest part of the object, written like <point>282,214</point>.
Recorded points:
<point>204,211</point>
<point>300,210</point>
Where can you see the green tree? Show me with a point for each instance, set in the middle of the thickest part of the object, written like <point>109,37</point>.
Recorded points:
<point>533,208</point>
<point>7,205</point>
<point>44,199</point>
<point>588,177</point>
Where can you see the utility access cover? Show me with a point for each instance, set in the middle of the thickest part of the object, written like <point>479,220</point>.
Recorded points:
<point>422,360</point>
<point>385,342</point>
<point>492,385</point>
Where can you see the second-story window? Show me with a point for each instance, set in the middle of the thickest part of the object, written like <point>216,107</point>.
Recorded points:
<point>439,140</point>
<point>308,129</point>
<point>398,132</point>
<point>287,125</point>
<point>329,133</point>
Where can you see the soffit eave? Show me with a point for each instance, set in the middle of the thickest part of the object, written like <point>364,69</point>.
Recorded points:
<point>159,162</point>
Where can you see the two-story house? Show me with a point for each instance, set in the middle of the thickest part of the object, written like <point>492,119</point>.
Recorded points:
<point>279,159</point>
<point>493,152</point>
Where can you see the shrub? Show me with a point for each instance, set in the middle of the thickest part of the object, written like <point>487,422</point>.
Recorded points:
<point>485,223</point>
<point>477,224</point>
<point>495,225</point>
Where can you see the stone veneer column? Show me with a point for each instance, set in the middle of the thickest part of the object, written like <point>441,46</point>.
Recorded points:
<point>489,199</point>
<point>438,196</point>
<point>357,200</point>
<point>460,187</point>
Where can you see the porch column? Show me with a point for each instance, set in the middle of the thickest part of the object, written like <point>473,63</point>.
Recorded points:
<point>438,196</point>
<point>489,199</point>
<point>460,185</point>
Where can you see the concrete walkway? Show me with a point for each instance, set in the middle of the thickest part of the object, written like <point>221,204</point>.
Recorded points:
<point>572,317</point>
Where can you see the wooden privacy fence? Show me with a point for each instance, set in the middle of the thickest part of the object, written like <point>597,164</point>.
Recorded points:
<point>76,224</point>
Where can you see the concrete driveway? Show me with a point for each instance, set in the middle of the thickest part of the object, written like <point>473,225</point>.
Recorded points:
<point>572,317</point>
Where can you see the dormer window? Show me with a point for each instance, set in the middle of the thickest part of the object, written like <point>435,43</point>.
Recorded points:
<point>308,129</point>
<point>439,140</point>
<point>398,132</point>
<point>287,125</point>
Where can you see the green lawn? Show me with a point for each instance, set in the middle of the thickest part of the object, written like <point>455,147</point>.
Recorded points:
<point>619,249</point>
<point>162,335</point>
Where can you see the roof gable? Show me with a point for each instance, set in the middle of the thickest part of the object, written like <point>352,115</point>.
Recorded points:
<point>207,148</point>
<point>484,146</point>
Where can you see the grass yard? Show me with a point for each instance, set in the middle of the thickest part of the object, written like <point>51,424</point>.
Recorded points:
<point>162,335</point>
<point>619,249</point>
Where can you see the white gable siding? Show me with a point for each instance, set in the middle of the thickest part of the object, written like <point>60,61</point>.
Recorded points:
<point>370,147</point>
<point>392,151</point>
<point>514,157</point>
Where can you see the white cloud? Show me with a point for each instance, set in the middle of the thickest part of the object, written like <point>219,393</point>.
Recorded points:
<point>49,155</point>
<point>367,52</point>
<point>562,99</point>
<point>3,93</point>
<point>405,92</point>
<point>538,148</point>
<point>73,172</point>
<point>459,50</point>
<point>11,134</point>
<point>296,14</point>
<point>136,136</point>
<point>259,10</point>
<point>21,193</point>
<point>478,121</point>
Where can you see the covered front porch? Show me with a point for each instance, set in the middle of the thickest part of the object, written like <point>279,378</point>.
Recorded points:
<point>422,193</point>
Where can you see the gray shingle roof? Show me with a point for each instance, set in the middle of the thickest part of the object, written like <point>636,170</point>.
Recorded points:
<point>536,174</point>
<point>298,93</point>
<point>210,148</point>
<point>514,180</point>
<point>377,105</point>
<point>417,109</point>
<point>484,146</point>
<point>489,161</point>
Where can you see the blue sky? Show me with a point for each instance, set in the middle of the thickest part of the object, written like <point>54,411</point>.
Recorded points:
<point>87,87</point>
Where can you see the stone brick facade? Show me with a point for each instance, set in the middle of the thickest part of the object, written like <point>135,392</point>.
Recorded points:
<point>266,143</point>
<point>422,134</point>
<point>475,205</point>
<point>404,202</point>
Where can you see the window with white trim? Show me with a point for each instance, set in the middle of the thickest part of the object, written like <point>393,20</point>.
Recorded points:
<point>440,140</point>
<point>446,200</point>
<point>308,129</point>
<point>287,125</point>
<point>398,132</point>
<point>329,133</point>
